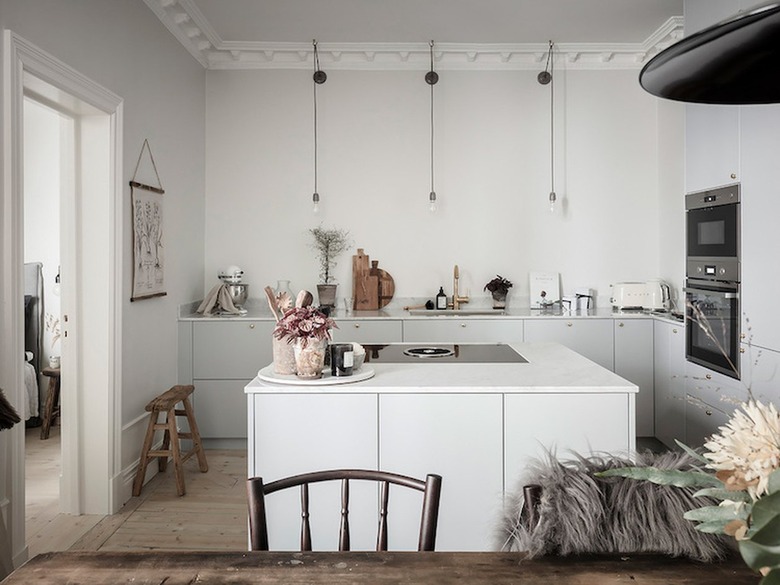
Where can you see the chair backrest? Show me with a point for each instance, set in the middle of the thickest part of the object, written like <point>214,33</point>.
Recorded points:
<point>431,489</point>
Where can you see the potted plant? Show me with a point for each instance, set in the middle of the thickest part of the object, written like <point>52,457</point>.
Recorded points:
<point>498,287</point>
<point>329,244</point>
<point>309,330</point>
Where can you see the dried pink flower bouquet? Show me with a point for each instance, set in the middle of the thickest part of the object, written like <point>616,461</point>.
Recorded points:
<point>304,323</point>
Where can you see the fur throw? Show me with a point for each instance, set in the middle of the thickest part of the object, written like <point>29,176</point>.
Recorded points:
<point>580,513</point>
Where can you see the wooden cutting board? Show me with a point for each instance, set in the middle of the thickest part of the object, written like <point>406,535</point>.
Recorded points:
<point>365,287</point>
<point>385,286</point>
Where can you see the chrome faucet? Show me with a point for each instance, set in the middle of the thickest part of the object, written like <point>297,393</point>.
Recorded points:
<point>457,300</point>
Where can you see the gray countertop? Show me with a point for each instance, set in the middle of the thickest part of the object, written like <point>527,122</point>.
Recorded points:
<point>257,309</point>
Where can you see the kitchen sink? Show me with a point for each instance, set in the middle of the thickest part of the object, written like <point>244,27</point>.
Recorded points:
<point>455,312</point>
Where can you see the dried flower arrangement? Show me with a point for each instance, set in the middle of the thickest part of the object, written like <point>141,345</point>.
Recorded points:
<point>304,323</point>
<point>739,467</point>
<point>52,324</point>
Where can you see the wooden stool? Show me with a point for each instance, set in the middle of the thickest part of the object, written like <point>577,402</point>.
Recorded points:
<point>166,403</point>
<point>52,399</point>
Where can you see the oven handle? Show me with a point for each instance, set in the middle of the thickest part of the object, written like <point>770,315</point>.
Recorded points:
<point>726,295</point>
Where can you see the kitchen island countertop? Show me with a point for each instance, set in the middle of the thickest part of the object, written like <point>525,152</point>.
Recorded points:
<point>551,368</point>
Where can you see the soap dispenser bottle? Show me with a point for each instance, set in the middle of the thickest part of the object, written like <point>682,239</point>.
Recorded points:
<point>441,299</point>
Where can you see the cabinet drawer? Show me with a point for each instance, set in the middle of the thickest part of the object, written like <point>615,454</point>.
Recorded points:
<point>455,330</point>
<point>367,331</point>
<point>233,350</point>
<point>592,338</point>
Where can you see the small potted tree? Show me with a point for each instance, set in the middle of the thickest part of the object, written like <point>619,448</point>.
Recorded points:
<point>498,287</point>
<point>329,244</point>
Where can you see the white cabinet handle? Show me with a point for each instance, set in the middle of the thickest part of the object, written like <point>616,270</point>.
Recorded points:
<point>733,175</point>
<point>569,324</point>
<point>251,325</point>
<point>708,376</point>
<point>357,325</point>
<point>462,324</point>
<point>621,324</point>
<point>674,330</point>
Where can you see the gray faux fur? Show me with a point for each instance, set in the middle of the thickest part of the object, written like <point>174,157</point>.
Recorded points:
<point>580,513</point>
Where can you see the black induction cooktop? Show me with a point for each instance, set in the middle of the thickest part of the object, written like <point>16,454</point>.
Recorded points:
<point>426,353</point>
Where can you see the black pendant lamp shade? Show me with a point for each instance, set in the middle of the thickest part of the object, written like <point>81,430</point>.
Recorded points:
<point>733,62</point>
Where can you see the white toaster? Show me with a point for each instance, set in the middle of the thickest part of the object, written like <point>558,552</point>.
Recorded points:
<point>652,295</point>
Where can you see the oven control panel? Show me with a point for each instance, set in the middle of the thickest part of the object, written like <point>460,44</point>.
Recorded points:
<point>726,269</point>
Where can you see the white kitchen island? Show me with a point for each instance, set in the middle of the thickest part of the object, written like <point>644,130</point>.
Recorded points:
<point>475,424</point>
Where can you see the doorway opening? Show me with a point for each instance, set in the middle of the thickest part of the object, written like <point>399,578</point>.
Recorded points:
<point>90,261</point>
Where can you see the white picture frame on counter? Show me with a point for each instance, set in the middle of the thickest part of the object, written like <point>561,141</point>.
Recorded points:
<point>544,289</point>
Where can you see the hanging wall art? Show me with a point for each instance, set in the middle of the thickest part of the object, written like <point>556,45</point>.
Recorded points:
<point>148,250</point>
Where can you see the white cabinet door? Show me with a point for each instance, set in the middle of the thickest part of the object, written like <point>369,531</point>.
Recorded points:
<point>592,338</point>
<point>298,433</point>
<point>458,330</point>
<point>459,437</point>
<point>669,375</point>
<point>634,362</point>
<point>583,423</point>
<point>368,331</point>
<point>233,350</point>
<point>760,236</point>
<point>712,152</point>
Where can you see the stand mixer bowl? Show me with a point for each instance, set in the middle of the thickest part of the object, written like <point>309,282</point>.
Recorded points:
<point>238,293</point>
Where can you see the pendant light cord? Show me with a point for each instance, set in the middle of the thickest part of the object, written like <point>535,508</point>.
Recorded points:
<point>552,118</point>
<point>316,68</point>
<point>432,126</point>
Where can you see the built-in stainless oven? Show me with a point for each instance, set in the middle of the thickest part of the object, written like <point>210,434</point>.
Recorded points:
<point>713,279</point>
<point>712,330</point>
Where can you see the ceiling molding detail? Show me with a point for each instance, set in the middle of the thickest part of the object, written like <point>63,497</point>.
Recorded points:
<point>192,29</point>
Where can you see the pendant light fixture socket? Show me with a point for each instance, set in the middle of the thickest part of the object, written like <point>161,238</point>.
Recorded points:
<point>432,201</point>
<point>315,202</point>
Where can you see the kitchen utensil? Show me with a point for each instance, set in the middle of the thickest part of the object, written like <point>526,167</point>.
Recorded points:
<point>304,299</point>
<point>269,293</point>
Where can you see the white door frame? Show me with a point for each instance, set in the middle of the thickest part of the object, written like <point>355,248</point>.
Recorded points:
<point>91,400</point>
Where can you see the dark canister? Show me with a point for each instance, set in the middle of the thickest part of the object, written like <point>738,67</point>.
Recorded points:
<point>342,357</point>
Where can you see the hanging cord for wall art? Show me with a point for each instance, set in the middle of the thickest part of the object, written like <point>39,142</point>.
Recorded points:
<point>319,78</point>
<point>544,78</point>
<point>431,78</point>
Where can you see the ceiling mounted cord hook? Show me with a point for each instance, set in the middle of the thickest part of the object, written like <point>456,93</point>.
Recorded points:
<point>431,78</point>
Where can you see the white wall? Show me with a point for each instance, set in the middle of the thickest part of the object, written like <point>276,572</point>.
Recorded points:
<point>492,177</point>
<point>123,46</point>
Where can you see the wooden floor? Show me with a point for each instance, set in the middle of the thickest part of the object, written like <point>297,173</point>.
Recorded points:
<point>211,516</point>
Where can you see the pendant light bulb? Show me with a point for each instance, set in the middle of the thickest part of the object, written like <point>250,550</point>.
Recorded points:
<point>315,202</point>
<point>432,200</point>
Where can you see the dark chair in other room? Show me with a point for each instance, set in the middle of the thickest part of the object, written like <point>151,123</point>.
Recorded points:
<point>430,488</point>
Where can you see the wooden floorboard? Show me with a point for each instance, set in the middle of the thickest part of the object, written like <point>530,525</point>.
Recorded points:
<point>210,516</point>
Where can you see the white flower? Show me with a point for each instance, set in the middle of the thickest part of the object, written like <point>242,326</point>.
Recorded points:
<point>747,449</point>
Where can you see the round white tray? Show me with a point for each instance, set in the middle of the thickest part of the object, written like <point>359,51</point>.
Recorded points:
<point>267,374</point>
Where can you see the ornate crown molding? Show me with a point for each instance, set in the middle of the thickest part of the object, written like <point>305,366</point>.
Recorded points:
<point>191,28</point>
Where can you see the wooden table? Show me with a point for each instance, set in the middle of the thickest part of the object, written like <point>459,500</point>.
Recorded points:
<point>369,568</point>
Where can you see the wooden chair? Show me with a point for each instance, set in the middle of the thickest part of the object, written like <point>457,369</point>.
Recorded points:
<point>431,489</point>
